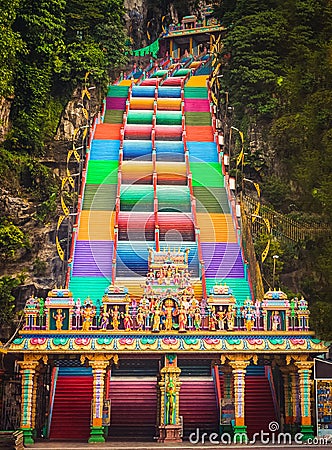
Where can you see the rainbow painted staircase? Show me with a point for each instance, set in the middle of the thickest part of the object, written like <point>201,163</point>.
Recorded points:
<point>154,179</point>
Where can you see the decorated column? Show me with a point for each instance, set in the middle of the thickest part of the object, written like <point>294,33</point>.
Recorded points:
<point>239,364</point>
<point>170,426</point>
<point>304,371</point>
<point>99,363</point>
<point>29,367</point>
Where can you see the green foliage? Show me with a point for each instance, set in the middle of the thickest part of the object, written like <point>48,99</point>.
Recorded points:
<point>7,300</point>
<point>11,45</point>
<point>20,172</point>
<point>12,239</point>
<point>321,319</point>
<point>64,39</point>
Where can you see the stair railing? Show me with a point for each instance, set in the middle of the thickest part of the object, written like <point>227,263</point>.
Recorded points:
<point>269,376</point>
<point>55,373</point>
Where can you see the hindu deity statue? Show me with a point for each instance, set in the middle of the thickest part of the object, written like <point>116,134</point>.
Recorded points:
<point>140,319</point>
<point>59,318</point>
<point>221,317</point>
<point>169,312</point>
<point>104,319</point>
<point>230,318</point>
<point>197,319</point>
<point>275,321</point>
<point>115,314</point>
<point>156,319</point>
<point>88,314</point>
<point>171,400</point>
<point>212,319</point>
<point>182,318</point>
<point>127,319</point>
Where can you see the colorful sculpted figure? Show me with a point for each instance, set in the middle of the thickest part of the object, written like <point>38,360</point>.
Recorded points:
<point>275,321</point>
<point>293,306</point>
<point>88,315</point>
<point>59,318</point>
<point>41,312</point>
<point>115,318</point>
<point>221,318</point>
<point>169,309</point>
<point>258,314</point>
<point>191,313</point>
<point>182,317</point>
<point>249,320</point>
<point>104,319</point>
<point>156,319</point>
<point>127,319</point>
<point>170,405</point>
<point>140,319</point>
<point>197,319</point>
<point>230,318</point>
<point>212,319</point>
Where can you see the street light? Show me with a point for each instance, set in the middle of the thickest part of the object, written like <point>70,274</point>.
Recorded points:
<point>275,257</point>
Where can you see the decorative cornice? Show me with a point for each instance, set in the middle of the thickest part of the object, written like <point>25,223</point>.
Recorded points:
<point>164,343</point>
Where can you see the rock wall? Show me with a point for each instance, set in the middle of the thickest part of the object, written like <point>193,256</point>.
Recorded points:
<point>5,106</point>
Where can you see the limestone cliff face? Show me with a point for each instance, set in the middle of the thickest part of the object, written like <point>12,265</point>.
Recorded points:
<point>145,15</point>
<point>5,105</point>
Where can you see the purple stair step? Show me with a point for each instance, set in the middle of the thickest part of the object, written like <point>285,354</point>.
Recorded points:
<point>222,259</point>
<point>93,258</point>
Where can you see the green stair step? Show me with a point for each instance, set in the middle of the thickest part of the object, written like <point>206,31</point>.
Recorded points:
<point>99,197</point>
<point>198,118</point>
<point>93,287</point>
<point>207,174</point>
<point>113,116</point>
<point>212,199</point>
<point>102,172</point>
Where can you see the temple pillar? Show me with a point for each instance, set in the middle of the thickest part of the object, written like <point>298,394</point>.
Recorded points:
<point>99,363</point>
<point>239,364</point>
<point>304,373</point>
<point>29,367</point>
<point>294,396</point>
<point>169,385</point>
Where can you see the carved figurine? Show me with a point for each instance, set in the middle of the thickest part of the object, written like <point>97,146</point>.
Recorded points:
<point>275,321</point>
<point>169,304</point>
<point>127,319</point>
<point>182,317</point>
<point>212,319</point>
<point>156,319</point>
<point>230,318</point>
<point>197,319</point>
<point>221,318</point>
<point>140,319</point>
<point>115,317</point>
<point>88,315</point>
<point>59,318</point>
<point>249,320</point>
<point>104,319</point>
<point>170,405</point>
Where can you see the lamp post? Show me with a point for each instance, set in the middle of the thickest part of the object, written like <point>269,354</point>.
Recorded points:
<point>275,257</point>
